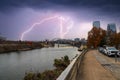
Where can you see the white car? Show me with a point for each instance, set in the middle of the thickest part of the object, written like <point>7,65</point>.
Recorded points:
<point>101,49</point>
<point>112,51</point>
<point>118,53</point>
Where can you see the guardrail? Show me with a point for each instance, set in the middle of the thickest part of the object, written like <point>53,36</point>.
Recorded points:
<point>72,71</point>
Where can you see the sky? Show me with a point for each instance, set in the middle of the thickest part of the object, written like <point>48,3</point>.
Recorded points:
<point>77,16</point>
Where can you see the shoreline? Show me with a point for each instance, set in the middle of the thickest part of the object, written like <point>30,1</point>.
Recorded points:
<point>18,50</point>
<point>8,47</point>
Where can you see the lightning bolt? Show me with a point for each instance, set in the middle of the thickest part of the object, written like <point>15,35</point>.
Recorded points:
<point>68,28</point>
<point>61,26</point>
<point>62,34</point>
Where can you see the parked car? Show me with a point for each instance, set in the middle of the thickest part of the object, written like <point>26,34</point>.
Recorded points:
<point>111,51</point>
<point>118,53</point>
<point>104,49</point>
<point>101,49</point>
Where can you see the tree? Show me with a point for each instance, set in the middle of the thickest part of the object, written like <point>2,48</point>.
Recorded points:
<point>115,40</point>
<point>95,37</point>
<point>103,41</point>
<point>62,63</point>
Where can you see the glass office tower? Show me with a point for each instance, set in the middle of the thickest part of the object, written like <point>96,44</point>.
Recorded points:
<point>111,28</point>
<point>96,24</point>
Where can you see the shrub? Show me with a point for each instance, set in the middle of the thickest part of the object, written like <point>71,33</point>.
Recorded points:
<point>60,65</point>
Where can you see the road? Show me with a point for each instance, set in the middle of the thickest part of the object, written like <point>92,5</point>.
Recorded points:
<point>97,66</point>
<point>109,63</point>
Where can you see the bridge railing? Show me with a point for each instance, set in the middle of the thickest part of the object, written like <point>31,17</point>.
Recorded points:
<point>72,71</point>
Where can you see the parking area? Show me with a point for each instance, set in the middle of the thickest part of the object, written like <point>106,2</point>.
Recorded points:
<point>109,50</point>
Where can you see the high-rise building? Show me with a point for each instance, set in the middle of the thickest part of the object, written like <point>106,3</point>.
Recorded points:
<point>96,24</point>
<point>111,28</point>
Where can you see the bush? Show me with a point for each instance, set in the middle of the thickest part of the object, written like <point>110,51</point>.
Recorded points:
<point>60,65</point>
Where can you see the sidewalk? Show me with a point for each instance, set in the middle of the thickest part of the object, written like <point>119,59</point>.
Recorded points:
<point>91,69</point>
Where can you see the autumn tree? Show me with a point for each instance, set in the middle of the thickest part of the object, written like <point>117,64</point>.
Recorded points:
<point>95,37</point>
<point>115,40</point>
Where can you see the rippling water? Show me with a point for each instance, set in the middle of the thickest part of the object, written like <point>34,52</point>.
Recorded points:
<point>14,65</point>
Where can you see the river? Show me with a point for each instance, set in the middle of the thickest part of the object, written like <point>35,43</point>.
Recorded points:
<point>14,65</point>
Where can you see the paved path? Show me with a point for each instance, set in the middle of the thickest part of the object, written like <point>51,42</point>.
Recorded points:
<point>91,68</point>
<point>109,63</point>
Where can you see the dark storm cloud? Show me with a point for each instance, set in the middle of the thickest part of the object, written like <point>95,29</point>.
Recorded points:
<point>79,10</point>
<point>106,5</point>
<point>11,4</point>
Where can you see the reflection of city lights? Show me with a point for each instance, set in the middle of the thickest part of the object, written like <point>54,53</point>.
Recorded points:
<point>62,20</point>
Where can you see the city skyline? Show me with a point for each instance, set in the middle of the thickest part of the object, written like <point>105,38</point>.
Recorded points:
<point>17,16</point>
<point>111,27</point>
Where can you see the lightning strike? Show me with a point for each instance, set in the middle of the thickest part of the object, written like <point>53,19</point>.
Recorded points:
<point>28,30</point>
<point>62,34</point>
<point>61,26</point>
<point>68,28</point>
<point>62,19</point>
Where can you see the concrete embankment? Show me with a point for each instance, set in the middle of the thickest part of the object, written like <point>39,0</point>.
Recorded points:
<point>71,72</point>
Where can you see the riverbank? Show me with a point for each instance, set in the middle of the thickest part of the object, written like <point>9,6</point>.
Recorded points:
<point>16,46</point>
<point>60,65</point>
<point>37,60</point>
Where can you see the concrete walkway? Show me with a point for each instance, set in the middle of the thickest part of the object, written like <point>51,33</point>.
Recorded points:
<point>91,69</point>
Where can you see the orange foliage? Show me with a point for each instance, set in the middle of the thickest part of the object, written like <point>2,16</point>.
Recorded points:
<point>95,36</point>
<point>115,39</point>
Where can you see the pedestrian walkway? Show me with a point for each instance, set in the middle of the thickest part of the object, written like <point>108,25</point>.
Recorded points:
<point>91,69</point>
